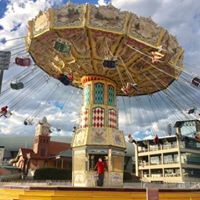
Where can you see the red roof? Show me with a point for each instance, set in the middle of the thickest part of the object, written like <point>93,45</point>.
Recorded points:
<point>57,147</point>
<point>26,151</point>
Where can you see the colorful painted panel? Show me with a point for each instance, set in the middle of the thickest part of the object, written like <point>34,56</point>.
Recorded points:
<point>118,138</point>
<point>86,93</point>
<point>116,178</point>
<point>41,23</point>
<point>98,93</point>
<point>84,118</point>
<point>112,118</point>
<point>98,115</point>
<point>98,136</point>
<point>79,138</point>
<point>111,95</point>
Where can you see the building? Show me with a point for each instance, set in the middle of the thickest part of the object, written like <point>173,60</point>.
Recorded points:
<point>1,154</point>
<point>12,143</point>
<point>45,153</point>
<point>173,158</point>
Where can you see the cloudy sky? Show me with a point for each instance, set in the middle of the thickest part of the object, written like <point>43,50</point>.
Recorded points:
<point>141,116</point>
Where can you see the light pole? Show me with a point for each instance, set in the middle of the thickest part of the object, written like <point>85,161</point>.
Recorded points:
<point>4,64</point>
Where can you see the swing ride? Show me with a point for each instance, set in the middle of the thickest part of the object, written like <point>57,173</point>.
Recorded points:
<point>108,53</point>
<point>85,40</point>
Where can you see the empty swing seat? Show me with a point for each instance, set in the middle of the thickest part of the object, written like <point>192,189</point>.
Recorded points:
<point>196,81</point>
<point>25,62</point>
<point>64,79</point>
<point>110,64</point>
<point>17,85</point>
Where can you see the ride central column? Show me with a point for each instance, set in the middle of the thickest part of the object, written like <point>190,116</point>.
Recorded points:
<point>98,135</point>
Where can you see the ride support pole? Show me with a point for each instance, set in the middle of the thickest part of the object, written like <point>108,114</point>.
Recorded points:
<point>1,79</point>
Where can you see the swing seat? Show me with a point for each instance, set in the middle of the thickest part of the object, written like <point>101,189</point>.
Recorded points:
<point>70,77</point>
<point>27,122</point>
<point>156,56</point>
<point>111,64</point>
<point>64,79</point>
<point>25,62</point>
<point>62,47</point>
<point>196,82</point>
<point>191,111</point>
<point>126,91</point>
<point>17,85</point>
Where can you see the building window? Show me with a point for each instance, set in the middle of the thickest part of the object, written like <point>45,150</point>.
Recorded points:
<point>172,172</point>
<point>143,161</point>
<point>190,172</point>
<point>188,128</point>
<point>98,93</point>
<point>155,160</point>
<point>156,173</point>
<point>170,158</point>
<point>192,158</point>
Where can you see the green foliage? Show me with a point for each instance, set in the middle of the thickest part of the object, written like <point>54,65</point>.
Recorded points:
<point>52,174</point>
<point>10,177</point>
<point>130,178</point>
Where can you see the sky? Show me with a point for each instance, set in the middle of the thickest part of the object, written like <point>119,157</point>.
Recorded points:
<point>139,116</point>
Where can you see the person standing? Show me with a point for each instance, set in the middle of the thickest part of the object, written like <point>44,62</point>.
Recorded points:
<point>100,166</point>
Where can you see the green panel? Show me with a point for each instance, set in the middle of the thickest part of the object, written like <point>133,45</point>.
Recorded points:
<point>87,92</point>
<point>111,95</point>
<point>98,93</point>
<point>62,47</point>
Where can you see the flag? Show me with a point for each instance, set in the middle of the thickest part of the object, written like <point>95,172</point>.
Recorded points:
<point>156,140</point>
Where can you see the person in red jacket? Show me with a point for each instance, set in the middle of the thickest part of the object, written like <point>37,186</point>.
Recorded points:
<point>4,111</point>
<point>100,166</point>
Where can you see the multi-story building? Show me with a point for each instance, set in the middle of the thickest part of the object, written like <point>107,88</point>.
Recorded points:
<point>174,158</point>
<point>1,154</point>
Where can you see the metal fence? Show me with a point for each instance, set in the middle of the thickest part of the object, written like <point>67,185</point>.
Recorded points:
<point>140,185</point>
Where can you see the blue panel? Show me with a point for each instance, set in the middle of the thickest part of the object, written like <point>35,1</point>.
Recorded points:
<point>98,93</point>
<point>111,96</point>
<point>87,92</point>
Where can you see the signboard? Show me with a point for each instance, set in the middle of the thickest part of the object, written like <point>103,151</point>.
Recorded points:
<point>152,194</point>
<point>4,59</point>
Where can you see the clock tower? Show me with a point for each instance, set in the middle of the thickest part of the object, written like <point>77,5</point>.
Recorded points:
<point>42,138</point>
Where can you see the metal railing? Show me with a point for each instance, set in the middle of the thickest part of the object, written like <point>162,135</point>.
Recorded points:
<point>138,185</point>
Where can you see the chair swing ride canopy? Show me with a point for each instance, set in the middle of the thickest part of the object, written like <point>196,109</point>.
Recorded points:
<point>104,41</point>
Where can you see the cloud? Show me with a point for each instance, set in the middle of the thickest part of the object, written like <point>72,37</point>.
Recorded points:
<point>103,2</point>
<point>181,18</point>
<point>20,12</point>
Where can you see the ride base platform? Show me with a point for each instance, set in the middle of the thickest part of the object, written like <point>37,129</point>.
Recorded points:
<point>96,193</point>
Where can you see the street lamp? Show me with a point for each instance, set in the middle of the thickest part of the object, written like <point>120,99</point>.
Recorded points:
<point>4,64</point>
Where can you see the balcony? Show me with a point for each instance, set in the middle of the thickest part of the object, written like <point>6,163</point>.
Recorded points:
<point>169,146</point>
<point>172,174</point>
